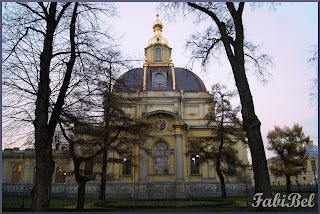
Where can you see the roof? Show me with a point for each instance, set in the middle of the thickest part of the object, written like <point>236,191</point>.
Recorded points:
<point>185,80</point>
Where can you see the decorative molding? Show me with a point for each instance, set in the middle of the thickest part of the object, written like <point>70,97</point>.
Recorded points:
<point>159,103</point>
<point>144,78</point>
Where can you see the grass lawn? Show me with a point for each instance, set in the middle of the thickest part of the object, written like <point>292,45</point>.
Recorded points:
<point>55,203</point>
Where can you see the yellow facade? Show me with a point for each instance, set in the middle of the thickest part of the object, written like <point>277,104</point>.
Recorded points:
<point>308,177</point>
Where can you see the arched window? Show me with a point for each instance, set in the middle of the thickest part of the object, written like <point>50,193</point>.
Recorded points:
<point>60,174</point>
<point>160,159</point>
<point>158,54</point>
<point>16,174</point>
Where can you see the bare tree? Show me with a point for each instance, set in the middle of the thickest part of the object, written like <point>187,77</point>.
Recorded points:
<point>314,64</point>
<point>227,33</point>
<point>288,145</point>
<point>46,48</point>
<point>87,156</point>
<point>221,147</point>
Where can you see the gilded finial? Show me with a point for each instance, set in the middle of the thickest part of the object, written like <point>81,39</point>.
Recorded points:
<point>157,29</point>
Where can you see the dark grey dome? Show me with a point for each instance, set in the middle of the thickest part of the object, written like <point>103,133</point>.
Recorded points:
<point>184,80</point>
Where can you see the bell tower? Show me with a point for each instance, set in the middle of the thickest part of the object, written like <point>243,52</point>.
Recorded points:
<point>158,51</point>
<point>158,69</point>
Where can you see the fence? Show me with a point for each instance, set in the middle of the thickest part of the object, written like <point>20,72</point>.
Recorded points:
<point>151,197</point>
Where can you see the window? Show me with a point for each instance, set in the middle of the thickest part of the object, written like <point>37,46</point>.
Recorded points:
<point>126,166</point>
<point>278,183</point>
<point>231,165</point>
<point>160,158</point>
<point>304,178</point>
<point>158,79</point>
<point>88,168</point>
<point>16,174</point>
<point>297,182</point>
<point>158,54</point>
<point>313,166</point>
<point>195,165</point>
<point>272,183</point>
<point>60,174</point>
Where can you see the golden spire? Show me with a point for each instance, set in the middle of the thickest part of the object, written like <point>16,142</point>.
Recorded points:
<point>157,25</point>
<point>157,29</point>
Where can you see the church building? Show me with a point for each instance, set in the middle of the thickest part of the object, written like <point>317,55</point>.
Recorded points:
<point>177,99</point>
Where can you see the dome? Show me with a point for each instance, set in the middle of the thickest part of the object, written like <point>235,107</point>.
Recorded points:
<point>184,80</point>
<point>157,23</point>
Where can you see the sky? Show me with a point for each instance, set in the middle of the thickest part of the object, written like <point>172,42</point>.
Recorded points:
<point>286,34</point>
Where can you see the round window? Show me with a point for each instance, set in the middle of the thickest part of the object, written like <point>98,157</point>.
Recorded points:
<point>158,79</point>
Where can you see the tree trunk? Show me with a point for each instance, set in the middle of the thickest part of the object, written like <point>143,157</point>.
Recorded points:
<point>44,168</point>
<point>81,193</point>
<point>43,141</point>
<point>250,120</point>
<point>222,183</point>
<point>223,186</point>
<point>102,195</point>
<point>235,53</point>
<point>288,189</point>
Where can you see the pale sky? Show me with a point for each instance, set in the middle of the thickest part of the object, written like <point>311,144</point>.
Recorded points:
<point>286,34</point>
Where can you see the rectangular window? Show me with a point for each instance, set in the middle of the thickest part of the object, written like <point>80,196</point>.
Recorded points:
<point>231,165</point>
<point>126,167</point>
<point>88,168</point>
<point>313,166</point>
<point>195,168</point>
<point>158,54</point>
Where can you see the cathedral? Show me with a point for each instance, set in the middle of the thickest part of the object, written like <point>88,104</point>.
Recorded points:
<point>174,97</point>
